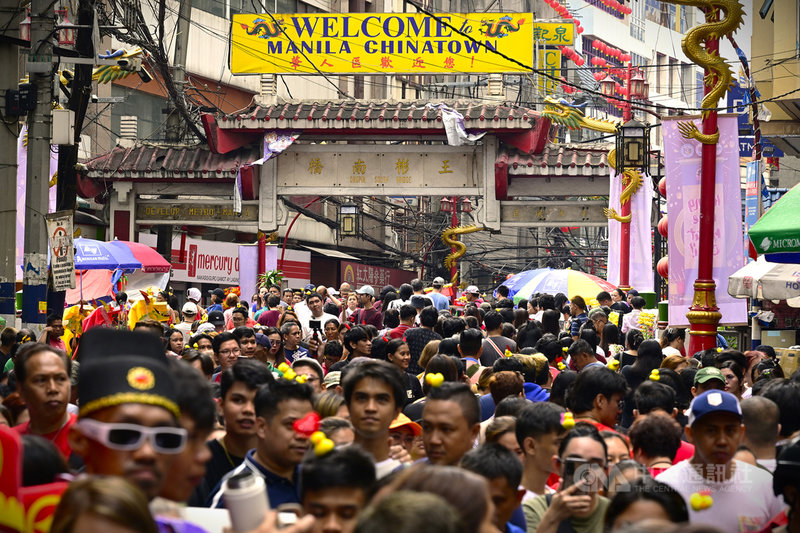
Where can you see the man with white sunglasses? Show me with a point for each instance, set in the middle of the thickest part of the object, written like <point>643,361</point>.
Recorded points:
<point>128,419</point>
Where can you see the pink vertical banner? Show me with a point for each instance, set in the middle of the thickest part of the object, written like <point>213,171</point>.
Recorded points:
<point>640,274</point>
<point>22,179</point>
<point>682,160</point>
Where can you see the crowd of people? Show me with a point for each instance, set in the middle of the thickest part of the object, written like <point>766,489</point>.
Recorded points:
<point>396,411</point>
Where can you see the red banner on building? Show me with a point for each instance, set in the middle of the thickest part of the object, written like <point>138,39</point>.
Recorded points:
<point>357,275</point>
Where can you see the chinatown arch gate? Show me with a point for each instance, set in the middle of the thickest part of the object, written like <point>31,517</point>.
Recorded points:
<point>355,148</point>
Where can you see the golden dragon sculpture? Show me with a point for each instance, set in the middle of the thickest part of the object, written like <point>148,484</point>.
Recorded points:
<point>562,112</point>
<point>720,75</point>
<point>449,237</point>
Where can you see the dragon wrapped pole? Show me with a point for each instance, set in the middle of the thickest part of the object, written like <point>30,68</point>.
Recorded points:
<point>701,44</point>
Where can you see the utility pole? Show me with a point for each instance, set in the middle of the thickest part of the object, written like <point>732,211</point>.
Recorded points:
<point>80,94</point>
<point>175,126</point>
<point>9,16</point>
<point>34,263</point>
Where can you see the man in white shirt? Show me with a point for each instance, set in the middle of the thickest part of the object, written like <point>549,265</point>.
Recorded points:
<point>720,491</point>
<point>314,304</point>
<point>189,312</point>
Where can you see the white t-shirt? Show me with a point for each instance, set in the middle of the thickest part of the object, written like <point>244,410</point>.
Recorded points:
<point>307,331</point>
<point>745,502</point>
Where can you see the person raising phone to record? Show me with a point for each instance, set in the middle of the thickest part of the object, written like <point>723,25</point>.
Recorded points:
<point>581,461</point>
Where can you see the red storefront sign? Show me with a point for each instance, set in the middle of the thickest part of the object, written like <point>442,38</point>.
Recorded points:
<point>357,275</point>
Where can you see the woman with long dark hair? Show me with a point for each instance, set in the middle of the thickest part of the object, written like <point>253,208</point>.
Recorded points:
<point>648,359</point>
<point>399,355</point>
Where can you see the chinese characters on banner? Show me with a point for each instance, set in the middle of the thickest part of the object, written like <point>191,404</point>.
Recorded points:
<point>550,63</point>
<point>357,275</point>
<point>682,161</point>
<point>384,43</point>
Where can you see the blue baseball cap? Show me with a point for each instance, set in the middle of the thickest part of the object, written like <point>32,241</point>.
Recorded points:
<point>713,401</point>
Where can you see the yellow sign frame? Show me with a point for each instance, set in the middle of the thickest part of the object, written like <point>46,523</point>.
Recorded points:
<point>381,43</point>
<point>549,62</point>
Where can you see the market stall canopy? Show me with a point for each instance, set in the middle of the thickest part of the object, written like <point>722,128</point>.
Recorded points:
<point>123,255</point>
<point>763,279</point>
<point>570,282</point>
<point>777,233</point>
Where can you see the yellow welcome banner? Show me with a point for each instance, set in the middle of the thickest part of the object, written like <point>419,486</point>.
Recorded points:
<point>381,43</point>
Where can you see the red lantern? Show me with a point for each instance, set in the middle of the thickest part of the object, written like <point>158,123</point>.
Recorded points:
<point>662,187</point>
<point>596,43</point>
<point>662,226</point>
<point>601,61</point>
<point>580,30</point>
<point>662,267</point>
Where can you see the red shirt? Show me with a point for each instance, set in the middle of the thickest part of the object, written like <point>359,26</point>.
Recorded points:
<point>686,451</point>
<point>57,437</point>
<point>398,332</point>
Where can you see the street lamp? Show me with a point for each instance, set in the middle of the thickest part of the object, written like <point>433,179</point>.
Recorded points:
<point>607,85</point>
<point>66,30</point>
<point>633,145</point>
<point>349,220</point>
<point>636,85</point>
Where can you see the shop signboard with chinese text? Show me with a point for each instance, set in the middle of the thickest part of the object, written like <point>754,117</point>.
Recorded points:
<point>554,33</point>
<point>383,43</point>
<point>391,169</point>
<point>357,275</point>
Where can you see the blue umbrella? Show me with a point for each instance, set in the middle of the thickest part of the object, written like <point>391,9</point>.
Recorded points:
<point>517,281</point>
<point>98,255</point>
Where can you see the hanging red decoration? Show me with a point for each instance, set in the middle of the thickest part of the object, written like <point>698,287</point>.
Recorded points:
<point>662,226</point>
<point>662,187</point>
<point>596,43</point>
<point>662,267</point>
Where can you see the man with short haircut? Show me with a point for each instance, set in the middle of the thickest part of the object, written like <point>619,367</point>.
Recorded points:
<point>227,351</point>
<point>470,344</point>
<point>786,395</point>
<point>418,338</point>
<point>539,430</point>
<point>189,313</point>
<point>760,418</point>
<point>741,494</point>
<point>151,326</point>
<point>407,315</point>
<point>375,393</point>
<point>287,297</point>
<point>596,395</point>
<point>292,350</point>
<point>279,449</point>
<point>708,378</point>
<point>495,344</point>
<point>314,302</point>
<point>217,297</point>
<point>582,354</point>
<point>310,368</point>
<point>247,340</point>
<point>604,299</point>
<point>503,472</point>
<point>344,291</point>
<point>7,340</point>
<point>440,301</point>
<point>652,397</point>
<point>53,331</point>
<point>239,317</point>
<point>335,487</point>
<point>238,387</point>
<point>655,440</point>
<point>450,423</point>
<point>577,309</point>
<point>367,314</point>
<point>128,420</point>
<point>43,381</point>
